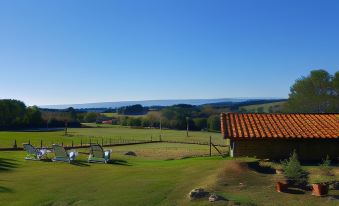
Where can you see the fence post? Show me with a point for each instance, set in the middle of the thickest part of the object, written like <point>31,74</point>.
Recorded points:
<point>15,145</point>
<point>210,146</point>
<point>72,144</point>
<point>29,141</point>
<point>41,143</point>
<point>62,143</point>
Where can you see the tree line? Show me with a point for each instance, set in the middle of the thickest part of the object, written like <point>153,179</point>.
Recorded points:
<point>316,93</point>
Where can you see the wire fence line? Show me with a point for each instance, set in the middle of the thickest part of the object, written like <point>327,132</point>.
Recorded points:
<point>86,141</point>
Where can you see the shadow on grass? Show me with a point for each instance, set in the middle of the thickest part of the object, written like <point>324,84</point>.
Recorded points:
<point>7,164</point>
<point>260,168</point>
<point>80,164</point>
<point>5,190</point>
<point>295,191</point>
<point>119,162</point>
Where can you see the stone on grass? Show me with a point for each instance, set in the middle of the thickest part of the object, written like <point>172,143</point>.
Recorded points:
<point>332,198</point>
<point>214,197</point>
<point>197,193</point>
<point>131,153</point>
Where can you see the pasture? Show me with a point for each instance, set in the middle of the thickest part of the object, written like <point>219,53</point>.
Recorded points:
<point>162,173</point>
<point>105,133</point>
<point>141,180</point>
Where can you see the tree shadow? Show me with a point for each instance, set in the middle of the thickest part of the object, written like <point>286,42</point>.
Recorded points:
<point>260,168</point>
<point>5,190</point>
<point>7,164</point>
<point>119,162</point>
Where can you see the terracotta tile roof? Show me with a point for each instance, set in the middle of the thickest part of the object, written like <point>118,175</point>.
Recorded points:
<point>279,126</point>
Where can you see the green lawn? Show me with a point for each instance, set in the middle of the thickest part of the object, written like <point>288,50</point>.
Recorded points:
<point>105,132</point>
<point>140,180</point>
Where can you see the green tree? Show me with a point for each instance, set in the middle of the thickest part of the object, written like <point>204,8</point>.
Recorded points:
<point>213,123</point>
<point>316,93</point>
<point>91,117</point>
<point>33,117</point>
<point>200,123</point>
<point>293,171</point>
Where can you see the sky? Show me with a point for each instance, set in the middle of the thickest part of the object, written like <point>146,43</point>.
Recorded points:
<point>65,52</point>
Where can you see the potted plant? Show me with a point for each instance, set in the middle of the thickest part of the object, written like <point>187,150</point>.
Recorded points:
<point>319,189</point>
<point>320,186</point>
<point>293,172</point>
<point>281,186</point>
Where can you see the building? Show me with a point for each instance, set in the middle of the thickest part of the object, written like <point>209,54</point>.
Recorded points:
<point>275,136</point>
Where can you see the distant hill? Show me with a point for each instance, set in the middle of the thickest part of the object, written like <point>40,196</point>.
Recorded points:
<point>149,103</point>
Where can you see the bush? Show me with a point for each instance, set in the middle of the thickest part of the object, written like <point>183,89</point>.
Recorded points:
<point>325,166</point>
<point>293,171</point>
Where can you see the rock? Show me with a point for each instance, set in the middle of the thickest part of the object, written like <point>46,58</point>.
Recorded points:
<point>334,185</point>
<point>332,198</point>
<point>279,171</point>
<point>131,153</point>
<point>197,193</point>
<point>214,197</point>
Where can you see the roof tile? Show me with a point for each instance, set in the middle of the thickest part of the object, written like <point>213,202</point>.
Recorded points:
<point>283,126</point>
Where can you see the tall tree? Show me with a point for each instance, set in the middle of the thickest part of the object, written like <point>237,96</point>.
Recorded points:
<point>314,93</point>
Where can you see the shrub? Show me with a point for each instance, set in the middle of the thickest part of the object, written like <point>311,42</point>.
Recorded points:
<point>293,171</point>
<point>325,166</point>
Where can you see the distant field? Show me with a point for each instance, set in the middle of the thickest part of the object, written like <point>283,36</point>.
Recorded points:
<point>254,108</point>
<point>105,133</point>
<point>117,115</point>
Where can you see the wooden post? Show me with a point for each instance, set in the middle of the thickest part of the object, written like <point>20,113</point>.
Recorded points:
<point>15,145</point>
<point>41,143</point>
<point>29,141</point>
<point>62,143</point>
<point>210,146</point>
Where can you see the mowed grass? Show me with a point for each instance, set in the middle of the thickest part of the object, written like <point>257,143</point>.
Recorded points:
<point>141,180</point>
<point>127,181</point>
<point>105,133</point>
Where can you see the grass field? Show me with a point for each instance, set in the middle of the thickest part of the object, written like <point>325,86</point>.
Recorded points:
<point>150,179</point>
<point>104,132</point>
<point>254,108</point>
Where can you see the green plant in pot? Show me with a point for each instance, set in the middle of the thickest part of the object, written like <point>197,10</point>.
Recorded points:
<point>320,185</point>
<point>293,172</point>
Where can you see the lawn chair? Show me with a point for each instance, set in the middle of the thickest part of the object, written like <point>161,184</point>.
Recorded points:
<point>61,155</point>
<point>97,154</point>
<point>34,153</point>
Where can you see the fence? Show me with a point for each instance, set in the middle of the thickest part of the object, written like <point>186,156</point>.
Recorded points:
<point>85,142</point>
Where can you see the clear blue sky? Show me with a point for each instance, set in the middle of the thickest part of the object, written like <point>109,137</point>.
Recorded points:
<point>54,52</point>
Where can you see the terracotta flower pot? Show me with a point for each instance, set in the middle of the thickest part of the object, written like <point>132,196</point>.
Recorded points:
<point>280,187</point>
<point>319,189</point>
